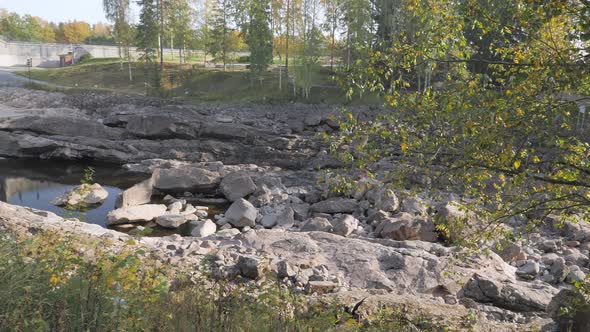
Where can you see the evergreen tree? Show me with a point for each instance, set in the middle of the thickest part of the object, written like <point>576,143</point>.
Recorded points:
<point>259,35</point>
<point>147,41</point>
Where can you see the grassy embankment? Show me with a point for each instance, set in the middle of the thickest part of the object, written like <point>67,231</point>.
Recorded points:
<point>192,82</point>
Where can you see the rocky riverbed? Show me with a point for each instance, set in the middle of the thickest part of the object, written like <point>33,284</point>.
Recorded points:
<point>50,125</point>
<point>376,244</point>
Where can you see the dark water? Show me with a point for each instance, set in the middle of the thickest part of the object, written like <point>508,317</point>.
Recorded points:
<point>35,183</point>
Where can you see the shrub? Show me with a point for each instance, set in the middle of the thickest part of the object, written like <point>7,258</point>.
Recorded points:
<point>85,58</point>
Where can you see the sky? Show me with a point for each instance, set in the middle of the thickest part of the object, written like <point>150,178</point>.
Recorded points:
<point>90,11</point>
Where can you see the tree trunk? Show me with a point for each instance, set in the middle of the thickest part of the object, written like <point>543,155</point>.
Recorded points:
<point>161,3</point>
<point>287,40</point>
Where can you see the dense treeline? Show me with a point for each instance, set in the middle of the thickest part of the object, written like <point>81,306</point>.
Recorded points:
<point>30,28</point>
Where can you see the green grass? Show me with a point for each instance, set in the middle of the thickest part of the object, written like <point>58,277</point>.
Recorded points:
<point>194,83</point>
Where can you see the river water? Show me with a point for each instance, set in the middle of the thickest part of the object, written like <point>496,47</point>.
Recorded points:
<point>35,183</point>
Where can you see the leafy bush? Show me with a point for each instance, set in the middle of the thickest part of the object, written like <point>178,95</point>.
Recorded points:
<point>85,58</point>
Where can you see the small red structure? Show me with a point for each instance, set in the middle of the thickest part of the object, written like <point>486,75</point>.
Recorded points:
<point>66,59</point>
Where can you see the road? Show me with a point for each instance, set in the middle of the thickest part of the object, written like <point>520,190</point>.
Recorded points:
<point>9,78</point>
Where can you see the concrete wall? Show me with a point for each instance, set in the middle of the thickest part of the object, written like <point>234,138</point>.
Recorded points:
<point>47,54</point>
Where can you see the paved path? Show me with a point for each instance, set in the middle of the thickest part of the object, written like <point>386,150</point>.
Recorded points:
<point>9,78</point>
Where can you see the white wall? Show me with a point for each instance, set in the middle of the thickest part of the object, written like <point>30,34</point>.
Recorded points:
<point>47,54</point>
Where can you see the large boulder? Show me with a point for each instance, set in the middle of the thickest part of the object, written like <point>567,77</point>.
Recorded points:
<point>284,218</point>
<point>461,222</point>
<point>241,214</point>
<point>404,227</point>
<point>135,214</point>
<point>335,205</point>
<point>522,297</point>
<point>528,271</point>
<point>344,225</point>
<point>139,194</point>
<point>237,185</point>
<point>174,220</point>
<point>384,199</point>
<point>83,196</point>
<point>185,179</point>
<point>203,228</point>
<point>250,267</point>
<point>317,224</point>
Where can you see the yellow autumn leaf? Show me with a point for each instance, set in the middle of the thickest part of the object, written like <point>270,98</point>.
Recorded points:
<point>517,164</point>
<point>404,147</point>
<point>536,159</point>
<point>54,279</point>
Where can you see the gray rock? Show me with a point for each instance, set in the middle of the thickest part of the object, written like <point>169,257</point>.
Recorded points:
<point>241,213</point>
<point>139,194</point>
<point>317,224</point>
<point>549,246</point>
<point>175,207</point>
<point>203,228</point>
<point>284,219</point>
<point>285,270</point>
<point>404,226</point>
<point>413,206</point>
<point>301,211</point>
<point>83,196</point>
<point>559,270</point>
<point>174,220</point>
<point>190,209</point>
<point>575,276</point>
<point>186,178</point>
<point>574,257</point>
<point>134,214</point>
<point>528,271</point>
<point>250,267</point>
<point>387,200</point>
<point>158,127</point>
<point>335,205</point>
<point>512,252</point>
<point>344,225</point>
<point>512,296</point>
<point>237,185</point>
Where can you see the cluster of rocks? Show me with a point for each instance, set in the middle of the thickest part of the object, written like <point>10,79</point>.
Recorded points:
<point>267,198</point>
<point>556,255</point>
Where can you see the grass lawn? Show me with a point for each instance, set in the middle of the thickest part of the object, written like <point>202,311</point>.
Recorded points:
<point>194,83</point>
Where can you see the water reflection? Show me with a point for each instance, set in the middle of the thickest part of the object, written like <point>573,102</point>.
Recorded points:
<point>35,184</point>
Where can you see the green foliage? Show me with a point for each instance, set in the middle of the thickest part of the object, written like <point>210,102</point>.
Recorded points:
<point>506,139</point>
<point>88,176</point>
<point>147,42</point>
<point>147,31</point>
<point>258,35</point>
<point>25,28</point>
<point>574,312</point>
<point>85,58</point>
